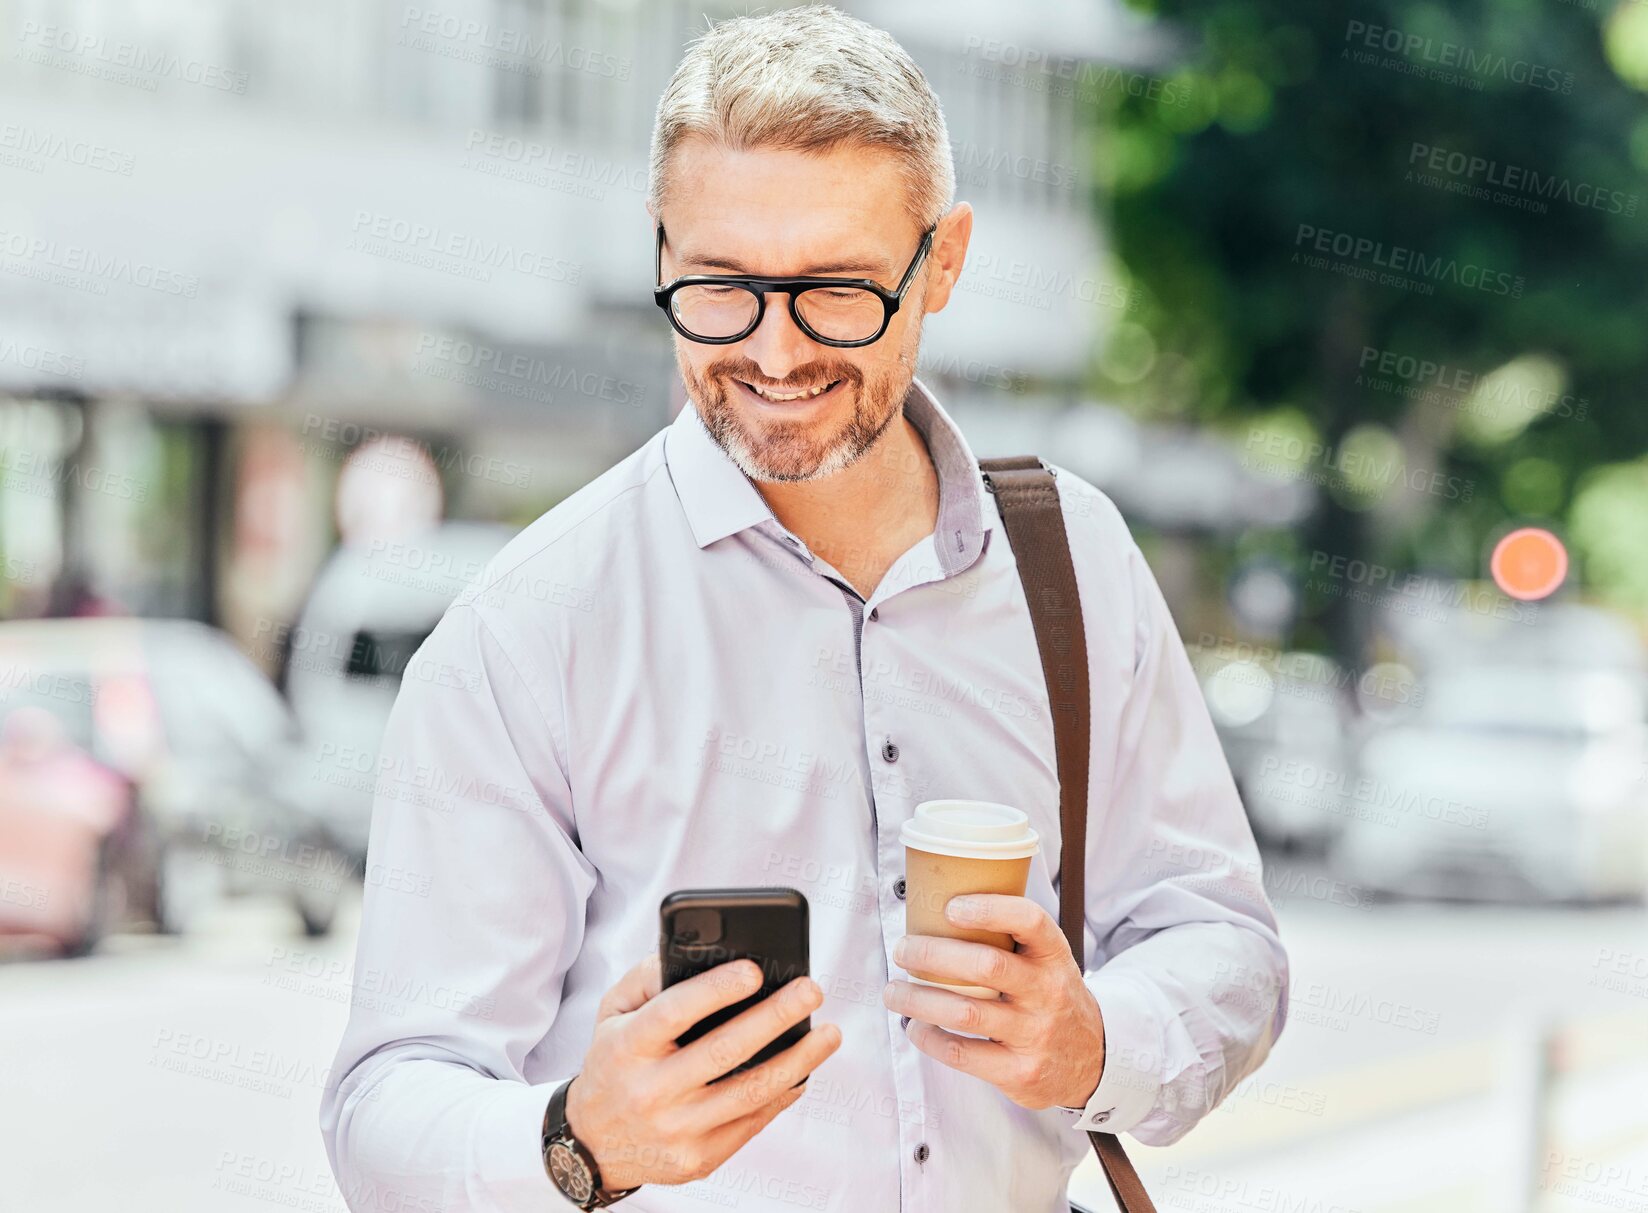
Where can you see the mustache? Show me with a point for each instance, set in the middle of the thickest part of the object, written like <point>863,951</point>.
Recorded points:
<point>806,376</point>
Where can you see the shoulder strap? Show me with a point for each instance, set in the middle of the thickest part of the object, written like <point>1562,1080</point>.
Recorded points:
<point>1028,498</point>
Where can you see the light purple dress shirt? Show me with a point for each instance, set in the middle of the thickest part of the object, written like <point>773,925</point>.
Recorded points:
<point>656,686</point>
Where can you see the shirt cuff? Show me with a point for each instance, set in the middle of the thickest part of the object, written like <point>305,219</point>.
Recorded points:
<point>508,1150</point>
<point>1131,1080</point>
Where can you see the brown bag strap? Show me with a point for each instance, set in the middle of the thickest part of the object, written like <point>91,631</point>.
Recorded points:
<point>1029,500</point>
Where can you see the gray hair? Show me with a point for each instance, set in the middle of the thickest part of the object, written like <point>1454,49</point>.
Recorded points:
<point>807,79</point>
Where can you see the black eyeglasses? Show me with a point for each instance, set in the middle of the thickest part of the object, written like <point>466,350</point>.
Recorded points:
<point>719,309</point>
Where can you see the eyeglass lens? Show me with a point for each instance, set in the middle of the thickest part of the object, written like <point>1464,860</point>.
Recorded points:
<point>834,313</point>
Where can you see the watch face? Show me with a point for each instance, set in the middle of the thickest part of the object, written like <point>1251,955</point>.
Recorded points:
<point>569,1172</point>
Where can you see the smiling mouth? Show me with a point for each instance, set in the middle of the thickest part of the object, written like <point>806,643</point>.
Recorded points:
<point>776,397</point>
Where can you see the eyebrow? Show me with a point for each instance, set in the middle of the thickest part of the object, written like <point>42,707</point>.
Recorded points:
<point>838,267</point>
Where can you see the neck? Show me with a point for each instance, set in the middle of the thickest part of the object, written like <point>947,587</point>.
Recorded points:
<point>865,516</point>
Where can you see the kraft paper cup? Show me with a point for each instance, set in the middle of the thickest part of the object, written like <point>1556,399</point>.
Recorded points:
<point>952,847</point>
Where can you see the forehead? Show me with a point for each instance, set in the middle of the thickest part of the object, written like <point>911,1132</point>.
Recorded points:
<point>776,211</point>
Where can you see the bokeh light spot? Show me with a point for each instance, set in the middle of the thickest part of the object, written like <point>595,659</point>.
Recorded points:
<point>1529,563</point>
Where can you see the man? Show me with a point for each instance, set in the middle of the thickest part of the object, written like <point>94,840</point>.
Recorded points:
<point>742,657</point>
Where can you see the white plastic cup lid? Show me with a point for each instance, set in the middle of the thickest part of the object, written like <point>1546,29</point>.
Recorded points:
<point>970,829</point>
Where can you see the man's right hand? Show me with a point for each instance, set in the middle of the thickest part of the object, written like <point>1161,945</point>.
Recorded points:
<point>641,1105</point>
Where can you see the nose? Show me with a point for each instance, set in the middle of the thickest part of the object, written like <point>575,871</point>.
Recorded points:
<point>778,346</point>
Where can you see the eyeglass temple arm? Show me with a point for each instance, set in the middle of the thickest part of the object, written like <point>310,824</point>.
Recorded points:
<point>658,258</point>
<point>915,266</point>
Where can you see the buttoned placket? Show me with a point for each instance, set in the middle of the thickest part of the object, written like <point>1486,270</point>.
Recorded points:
<point>946,553</point>
<point>882,751</point>
<point>916,567</point>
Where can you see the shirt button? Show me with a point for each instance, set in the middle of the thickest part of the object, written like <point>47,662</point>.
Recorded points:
<point>875,612</point>
<point>1102,1117</point>
<point>922,1152</point>
<point>898,888</point>
<point>889,751</point>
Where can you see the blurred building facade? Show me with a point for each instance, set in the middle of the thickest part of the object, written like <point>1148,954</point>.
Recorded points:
<point>239,240</point>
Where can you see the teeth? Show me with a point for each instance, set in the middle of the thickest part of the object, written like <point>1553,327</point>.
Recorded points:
<point>775,397</point>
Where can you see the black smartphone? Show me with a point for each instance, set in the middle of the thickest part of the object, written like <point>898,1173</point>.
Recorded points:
<point>702,928</point>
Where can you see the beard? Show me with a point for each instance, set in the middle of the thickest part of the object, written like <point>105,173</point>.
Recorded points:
<point>775,449</point>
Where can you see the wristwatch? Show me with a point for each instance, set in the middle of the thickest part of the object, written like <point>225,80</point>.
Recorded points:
<point>570,1165</point>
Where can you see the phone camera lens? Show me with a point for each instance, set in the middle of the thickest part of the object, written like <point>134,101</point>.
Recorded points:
<point>698,925</point>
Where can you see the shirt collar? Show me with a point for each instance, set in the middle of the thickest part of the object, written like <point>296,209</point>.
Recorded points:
<point>719,499</point>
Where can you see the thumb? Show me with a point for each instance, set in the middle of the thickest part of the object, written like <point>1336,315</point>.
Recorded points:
<point>633,990</point>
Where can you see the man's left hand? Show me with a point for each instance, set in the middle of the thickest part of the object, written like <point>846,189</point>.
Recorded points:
<point>1046,1035</point>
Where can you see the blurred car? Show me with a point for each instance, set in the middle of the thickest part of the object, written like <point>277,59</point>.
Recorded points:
<point>1512,780</point>
<point>62,814</point>
<point>174,712</point>
<point>370,608</point>
<point>1285,722</point>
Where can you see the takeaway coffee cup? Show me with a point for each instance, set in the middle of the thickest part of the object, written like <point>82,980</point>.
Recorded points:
<point>953,847</point>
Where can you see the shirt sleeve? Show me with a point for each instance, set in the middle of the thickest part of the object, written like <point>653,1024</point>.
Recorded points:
<point>1184,956</point>
<point>474,910</point>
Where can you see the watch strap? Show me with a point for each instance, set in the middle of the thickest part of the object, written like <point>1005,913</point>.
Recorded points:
<point>556,1129</point>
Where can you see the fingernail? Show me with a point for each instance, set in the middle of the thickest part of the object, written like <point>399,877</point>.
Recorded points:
<point>960,909</point>
<point>899,949</point>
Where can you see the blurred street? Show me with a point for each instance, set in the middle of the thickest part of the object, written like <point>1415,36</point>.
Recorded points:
<point>206,1057</point>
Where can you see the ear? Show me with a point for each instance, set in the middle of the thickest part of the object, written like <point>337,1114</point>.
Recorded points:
<point>949,254</point>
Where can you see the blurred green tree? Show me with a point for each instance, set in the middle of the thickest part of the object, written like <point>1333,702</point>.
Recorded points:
<point>1491,157</point>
